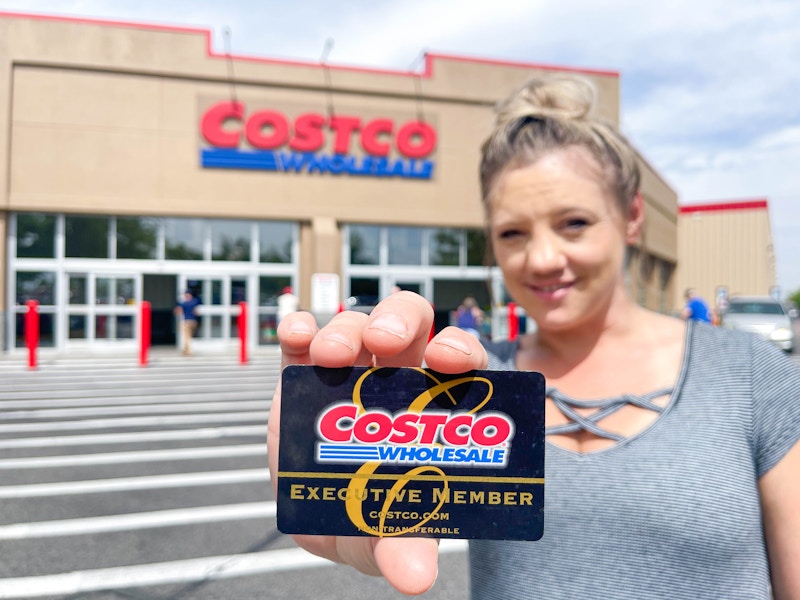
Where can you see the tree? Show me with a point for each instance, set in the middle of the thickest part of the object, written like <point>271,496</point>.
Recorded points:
<point>794,297</point>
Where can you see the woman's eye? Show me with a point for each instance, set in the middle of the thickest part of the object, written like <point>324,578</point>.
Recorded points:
<point>576,224</point>
<point>509,234</point>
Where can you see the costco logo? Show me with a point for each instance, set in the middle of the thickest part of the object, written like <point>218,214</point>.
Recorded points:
<point>432,438</point>
<point>269,140</point>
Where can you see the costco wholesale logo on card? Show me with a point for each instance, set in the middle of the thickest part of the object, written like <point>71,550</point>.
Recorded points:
<point>408,438</point>
<point>389,452</point>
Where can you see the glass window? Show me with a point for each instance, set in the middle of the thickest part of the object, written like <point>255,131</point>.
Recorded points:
<point>47,327</point>
<point>216,292</point>
<point>102,290</point>
<point>86,237</point>
<point>36,285</point>
<point>195,286</point>
<point>275,240</point>
<point>405,245</point>
<point>238,291</point>
<point>216,326</point>
<point>234,328</point>
<point>102,329</point>
<point>267,325</point>
<point>184,239</point>
<point>364,291</point>
<point>664,275</point>
<point>445,245</point>
<point>755,308</point>
<point>365,243</point>
<point>230,240</point>
<point>125,291</point>
<point>78,290</point>
<point>269,288</point>
<point>476,248</point>
<point>36,235</point>
<point>77,327</point>
<point>124,327</point>
<point>137,237</point>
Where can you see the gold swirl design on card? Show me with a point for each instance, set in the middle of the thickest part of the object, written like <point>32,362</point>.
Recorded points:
<point>358,488</point>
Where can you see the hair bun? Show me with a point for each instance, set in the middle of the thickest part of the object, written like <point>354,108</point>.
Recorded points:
<point>558,97</point>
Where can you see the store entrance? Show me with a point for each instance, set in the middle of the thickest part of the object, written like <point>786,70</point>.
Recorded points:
<point>219,297</point>
<point>161,291</point>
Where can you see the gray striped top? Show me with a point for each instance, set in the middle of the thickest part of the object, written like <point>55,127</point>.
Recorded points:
<point>672,512</point>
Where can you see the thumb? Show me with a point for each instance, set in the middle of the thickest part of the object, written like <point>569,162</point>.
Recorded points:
<point>409,564</point>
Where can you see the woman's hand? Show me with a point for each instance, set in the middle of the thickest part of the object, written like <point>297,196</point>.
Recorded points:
<point>395,334</point>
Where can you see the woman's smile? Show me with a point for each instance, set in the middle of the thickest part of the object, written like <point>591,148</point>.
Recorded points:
<point>551,292</point>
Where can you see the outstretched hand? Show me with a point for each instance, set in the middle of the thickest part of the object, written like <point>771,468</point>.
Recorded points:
<point>395,334</point>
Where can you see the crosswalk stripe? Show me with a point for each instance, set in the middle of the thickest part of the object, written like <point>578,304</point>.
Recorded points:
<point>165,389</point>
<point>132,409</point>
<point>131,521</point>
<point>260,416</point>
<point>233,394</point>
<point>113,458</point>
<point>124,484</point>
<point>179,571</point>
<point>135,437</point>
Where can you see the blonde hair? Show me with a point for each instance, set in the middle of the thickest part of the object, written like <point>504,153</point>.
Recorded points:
<point>551,113</point>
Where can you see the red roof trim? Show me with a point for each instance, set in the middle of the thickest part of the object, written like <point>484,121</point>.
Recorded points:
<point>722,206</point>
<point>211,53</point>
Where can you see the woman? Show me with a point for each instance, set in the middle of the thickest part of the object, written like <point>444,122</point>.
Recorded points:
<point>668,475</point>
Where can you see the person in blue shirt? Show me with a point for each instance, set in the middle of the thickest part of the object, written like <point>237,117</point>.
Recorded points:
<point>469,316</point>
<point>188,311</point>
<point>696,309</point>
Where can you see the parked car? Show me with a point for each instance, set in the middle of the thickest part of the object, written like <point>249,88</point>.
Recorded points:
<point>764,316</point>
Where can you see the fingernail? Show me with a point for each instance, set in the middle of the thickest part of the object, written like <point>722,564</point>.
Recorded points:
<point>300,328</point>
<point>390,324</point>
<point>455,344</point>
<point>338,338</point>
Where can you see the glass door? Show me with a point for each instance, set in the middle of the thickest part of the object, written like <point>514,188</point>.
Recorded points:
<point>101,308</point>
<point>210,291</point>
<point>219,309</point>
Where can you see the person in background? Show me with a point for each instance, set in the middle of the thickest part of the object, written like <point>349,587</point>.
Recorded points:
<point>669,475</point>
<point>287,303</point>
<point>696,309</point>
<point>469,316</point>
<point>188,311</point>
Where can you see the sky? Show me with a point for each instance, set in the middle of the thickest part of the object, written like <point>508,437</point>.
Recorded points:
<point>710,90</point>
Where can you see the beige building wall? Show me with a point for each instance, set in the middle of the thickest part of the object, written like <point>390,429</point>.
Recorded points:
<point>652,266</point>
<point>104,118</point>
<point>726,244</point>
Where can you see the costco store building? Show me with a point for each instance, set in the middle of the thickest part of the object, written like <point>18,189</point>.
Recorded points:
<point>136,162</point>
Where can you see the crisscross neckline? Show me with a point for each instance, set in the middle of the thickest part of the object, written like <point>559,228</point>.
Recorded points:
<point>606,406</point>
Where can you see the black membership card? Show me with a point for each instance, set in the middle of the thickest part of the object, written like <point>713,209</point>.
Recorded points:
<point>377,451</point>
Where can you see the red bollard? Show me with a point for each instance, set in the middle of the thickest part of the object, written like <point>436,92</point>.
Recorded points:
<point>513,321</point>
<point>144,333</point>
<point>32,332</point>
<point>242,322</point>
